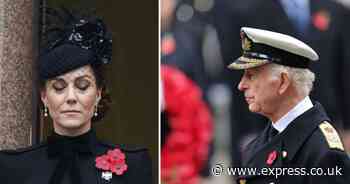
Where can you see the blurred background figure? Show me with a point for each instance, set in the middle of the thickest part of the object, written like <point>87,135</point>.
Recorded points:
<point>181,40</point>
<point>189,42</point>
<point>344,2</point>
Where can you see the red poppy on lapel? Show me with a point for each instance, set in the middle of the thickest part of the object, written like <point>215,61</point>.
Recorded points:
<point>113,161</point>
<point>321,20</point>
<point>271,157</point>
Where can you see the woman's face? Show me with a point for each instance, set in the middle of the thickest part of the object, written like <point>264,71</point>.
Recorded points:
<point>71,99</point>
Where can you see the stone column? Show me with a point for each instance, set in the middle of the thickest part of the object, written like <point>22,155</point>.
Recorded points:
<point>16,76</point>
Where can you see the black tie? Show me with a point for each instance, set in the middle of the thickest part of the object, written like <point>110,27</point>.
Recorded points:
<point>272,132</point>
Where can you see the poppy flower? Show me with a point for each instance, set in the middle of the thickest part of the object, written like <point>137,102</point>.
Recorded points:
<point>113,161</point>
<point>271,157</point>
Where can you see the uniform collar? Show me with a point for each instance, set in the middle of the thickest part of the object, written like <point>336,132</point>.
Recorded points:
<point>290,140</point>
<point>297,132</point>
<point>296,111</point>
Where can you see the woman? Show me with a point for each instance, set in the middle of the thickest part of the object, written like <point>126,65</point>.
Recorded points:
<point>74,96</point>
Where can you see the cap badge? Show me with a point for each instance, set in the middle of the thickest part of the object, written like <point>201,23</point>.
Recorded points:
<point>246,43</point>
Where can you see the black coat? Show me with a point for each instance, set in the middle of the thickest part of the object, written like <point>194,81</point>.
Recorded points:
<point>37,164</point>
<point>301,145</point>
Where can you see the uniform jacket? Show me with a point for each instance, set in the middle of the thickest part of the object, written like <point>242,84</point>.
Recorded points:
<point>308,142</point>
<point>38,164</point>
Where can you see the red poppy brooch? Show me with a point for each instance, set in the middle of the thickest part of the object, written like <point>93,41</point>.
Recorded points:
<point>271,157</point>
<point>112,162</point>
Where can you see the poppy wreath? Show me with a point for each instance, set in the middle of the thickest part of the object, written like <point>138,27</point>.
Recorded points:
<point>185,149</point>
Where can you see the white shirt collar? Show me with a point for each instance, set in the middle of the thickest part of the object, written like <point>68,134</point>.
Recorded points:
<point>297,110</point>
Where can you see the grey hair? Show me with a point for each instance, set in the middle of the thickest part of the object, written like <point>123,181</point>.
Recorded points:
<point>302,79</point>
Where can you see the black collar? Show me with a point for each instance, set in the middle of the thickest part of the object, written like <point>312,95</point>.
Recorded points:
<point>67,150</point>
<point>59,145</point>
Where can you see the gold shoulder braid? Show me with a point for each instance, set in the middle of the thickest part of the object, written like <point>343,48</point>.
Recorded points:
<point>331,135</point>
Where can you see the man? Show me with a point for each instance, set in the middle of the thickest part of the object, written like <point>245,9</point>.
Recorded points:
<point>323,26</point>
<point>276,84</point>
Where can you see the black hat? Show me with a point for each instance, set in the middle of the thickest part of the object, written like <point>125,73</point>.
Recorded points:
<point>82,43</point>
<point>261,47</point>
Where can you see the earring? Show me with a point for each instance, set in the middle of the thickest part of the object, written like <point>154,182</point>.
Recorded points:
<point>96,106</point>
<point>95,113</point>
<point>45,111</point>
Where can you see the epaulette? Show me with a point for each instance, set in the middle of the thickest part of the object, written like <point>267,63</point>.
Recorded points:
<point>126,148</point>
<point>331,136</point>
<point>23,150</point>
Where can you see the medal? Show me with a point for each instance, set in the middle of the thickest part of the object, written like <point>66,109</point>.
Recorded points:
<point>107,175</point>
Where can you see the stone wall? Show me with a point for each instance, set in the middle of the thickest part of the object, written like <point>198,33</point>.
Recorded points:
<point>16,81</point>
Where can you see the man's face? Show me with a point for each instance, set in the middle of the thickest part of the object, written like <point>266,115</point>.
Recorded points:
<point>260,89</point>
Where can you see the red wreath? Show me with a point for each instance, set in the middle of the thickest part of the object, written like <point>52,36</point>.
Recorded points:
<point>186,148</point>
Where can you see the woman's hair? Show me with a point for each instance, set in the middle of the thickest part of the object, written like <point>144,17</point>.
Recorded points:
<point>71,41</point>
<point>105,101</point>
